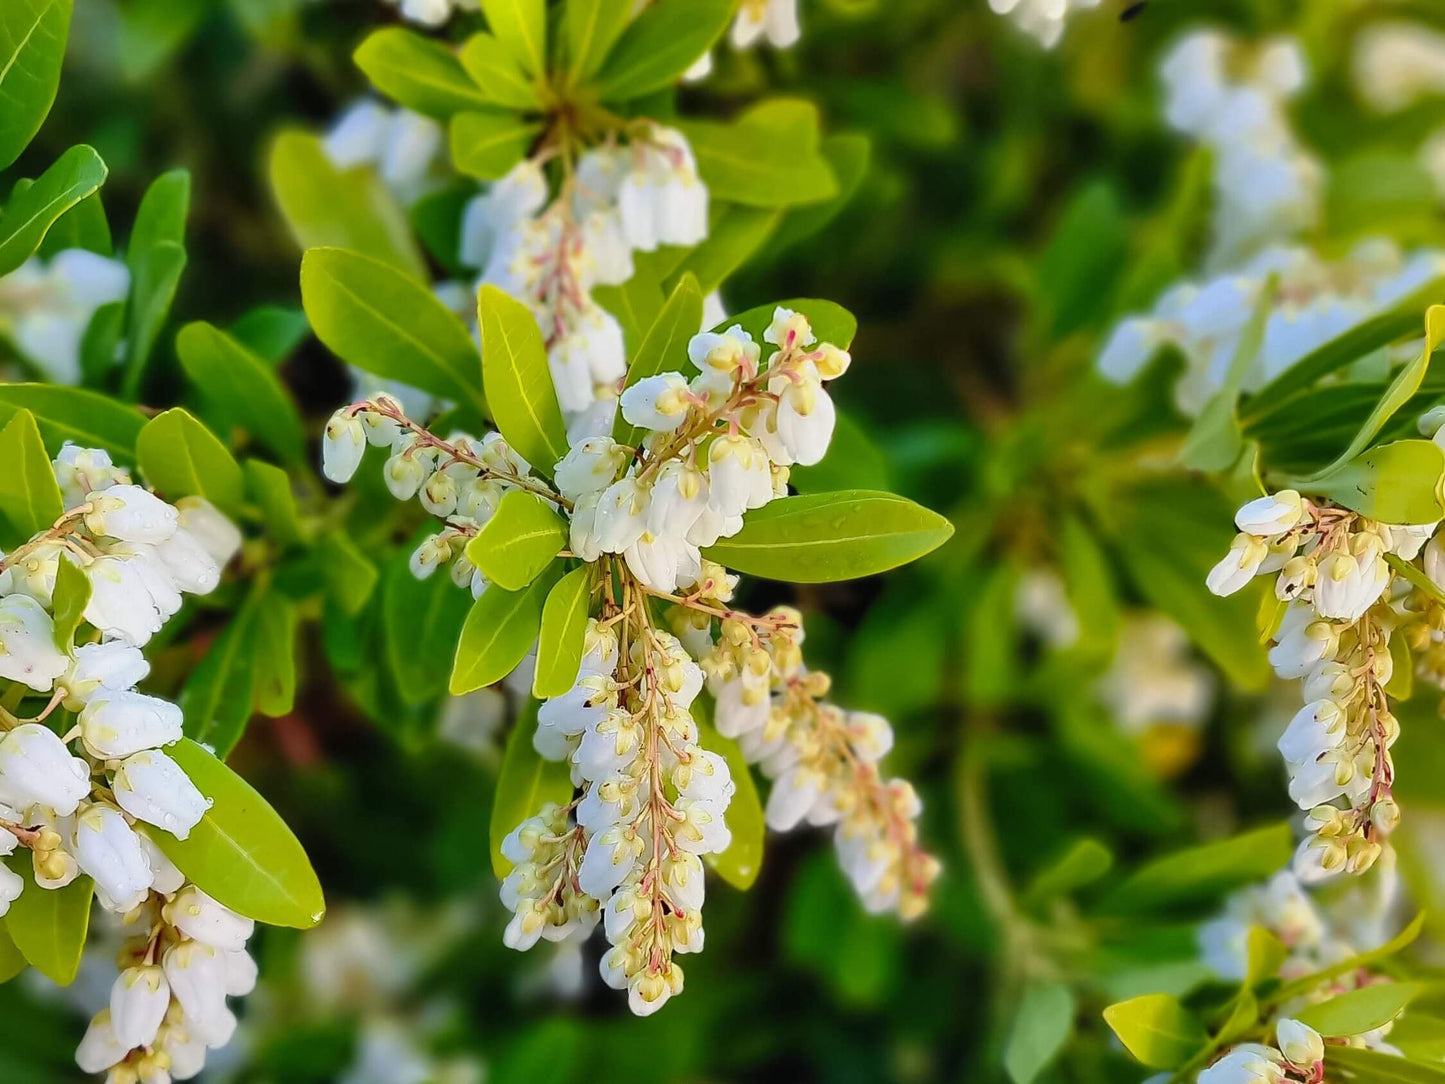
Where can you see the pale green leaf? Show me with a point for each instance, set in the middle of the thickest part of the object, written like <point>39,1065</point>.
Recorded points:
<point>518,381</point>
<point>156,256</point>
<point>418,73</point>
<point>521,26</point>
<point>270,487</point>
<point>664,348</point>
<point>1044,1022</point>
<point>660,44</point>
<point>350,574</point>
<point>488,145</point>
<point>1351,1066</point>
<point>734,233</point>
<point>12,960</point>
<point>1083,863</point>
<point>1203,871</point>
<point>69,600</point>
<point>563,634</point>
<point>1157,1030</point>
<point>1397,482</point>
<point>759,166</point>
<point>182,458</point>
<point>741,863</point>
<point>499,631</point>
<point>273,683</point>
<point>29,215</point>
<point>30,498</point>
<point>522,538</point>
<point>591,28</point>
<point>1358,1011</point>
<point>495,70</point>
<point>421,622</point>
<point>831,323</point>
<point>217,699</point>
<point>49,927</point>
<point>84,417</point>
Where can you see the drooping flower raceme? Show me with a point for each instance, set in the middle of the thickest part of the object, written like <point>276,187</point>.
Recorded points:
<point>649,800</point>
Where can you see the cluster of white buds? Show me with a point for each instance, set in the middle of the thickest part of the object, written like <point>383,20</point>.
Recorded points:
<point>404,148</point>
<point>651,803</point>
<point>1043,20</point>
<point>550,255</point>
<point>432,13</point>
<point>1298,1058</point>
<point>773,21</point>
<point>1231,98</point>
<point>823,760</point>
<point>46,305</point>
<point>168,1004</point>
<point>1334,636</point>
<point>1310,301</point>
<point>1396,63</point>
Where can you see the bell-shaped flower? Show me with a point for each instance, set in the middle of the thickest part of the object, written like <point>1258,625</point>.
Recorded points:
<point>99,1048</point>
<point>805,421</point>
<point>132,514</point>
<point>589,466</point>
<point>27,644</point>
<point>117,723</point>
<point>777,20</point>
<point>621,514</point>
<point>187,563</point>
<point>165,877</point>
<point>121,604</point>
<point>200,917</point>
<point>11,885</point>
<point>152,787</point>
<point>139,998</point>
<point>725,353</point>
<point>342,446</point>
<point>1238,566</point>
<point>36,769</point>
<point>789,330</point>
<point>1247,1063</point>
<point>659,402</point>
<point>82,471</point>
<point>610,857</point>
<point>1271,515</point>
<point>217,535</point>
<point>196,972</point>
<point>1315,729</point>
<point>663,562</point>
<point>111,664</point>
<point>1300,1044</point>
<point>109,851</point>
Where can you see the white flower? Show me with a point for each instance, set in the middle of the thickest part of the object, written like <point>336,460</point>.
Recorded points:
<point>121,603</point>
<point>1300,1044</point>
<point>119,722</point>
<point>662,200</point>
<point>1270,515</point>
<point>1248,1063</point>
<point>11,885</point>
<point>775,19</point>
<point>131,514</point>
<point>152,787</point>
<point>36,769</point>
<point>658,403</point>
<point>679,497</point>
<point>342,446</point>
<point>621,515</point>
<point>1350,582</point>
<point>805,420</point>
<point>82,471</point>
<point>589,466</point>
<point>138,1002</point>
<point>200,917</point>
<point>107,849</point>
<point>196,972</point>
<point>1316,728</point>
<point>27,644</point>
<point>793,794</point>
<point>111,664</point>
<point>663,562</point>
<point>100,1049</point>
<point>725,352</point>
<point>49,306</point>
<point>165,877</point>
<point>187,563</point>
<point>1238,566</point>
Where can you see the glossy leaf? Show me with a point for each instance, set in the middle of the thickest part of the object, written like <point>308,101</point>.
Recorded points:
<point>30,498</point>
<point>1203,871</point>
<point>756,168</point>
<point>84,417</point>
<point>32,45</point>
<point>635,303</point>
<point>1393,483</point>
<point>1157,1030</point>
<point>1351,1066</point>
<point>741,863</point>
<point>831,323</point>
<point>422,620</point>
<point>522,538</point>
<point>1358,1011</point>
<point>520,26</point>
<point>29,215</point>
<point>241,388</point>
<point>518,381</point>
<point>156,257</point>
<point>734,234</point>
<point>379,319</point>
<point>49,927</point>
<point>1044,1022</point>
<point>350,209</point>
<point>1264,955</point>
<point>849,155</point>
<point>663,349</point>
<point>525,784</point>
<point>1085,861</point>
<point>270,487</point>
<point>350,574</point>
<point>12,960</point>
<point>217,699</point>
<point>69,600</point>
<point>591,28</point>
<point>242,853</point>
<point>823,537</point>
<point>660,44</point>
<point>418,73</point>
<point>182,458</point>
<point>273,684</point>
<point>499,631</point>
<point>488,145</point>
<point>496,71</point>
<point>563,634</point>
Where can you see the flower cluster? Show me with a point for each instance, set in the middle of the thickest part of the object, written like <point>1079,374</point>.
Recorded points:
<point>168,1004</point>
<point>46,305</point>
<point>404,148</point>
<point>773,21</point>
<point>824,761</point>
<point>1042,19</point>
<point>1310,302</point>
<point>1397,63</point>
<point>1298,1058</point>
<point>1335,636</point>
<point>1232,100</point>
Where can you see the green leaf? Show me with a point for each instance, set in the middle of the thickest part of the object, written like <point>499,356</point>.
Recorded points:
<point>1398,482</point>
<point>1085,861</point>
<point>1157,1030</point>
<point>32,45</point>
<point>1089,583</point>
<point>241,388</point>
<point>741,863</point>
<point>1043,1025</point>
<point>521,26</point>
<point>591,28</point>
<point>660,44</point>
<point>1264,954</point>
<point>156,256</point>
<point>375,317</point>
<point>526,783</point>
<point>12,960</point>
<point>1084,256</point>
<point>83,226</point>
<point>327,206</point>
<point>663,349</point>
<point>217,699</point>
<point>496,71</point>
<point>1396,944</point>
<point>823,537</point>
<point>852,459</point>
<point>87,418</point>
<point>73,176</point>
<point>272,331</point>
<point>30,498</point>
<point>635,303</point>
<point>564,631</point>
<point>270,487</point>
<point>273,684</point>
<point>1358,1011</point>
<point>1203,871</point>
<point>1215,440</point>
<point>182,458</point>
<point>49,927</point>
<point>849,155</point>
<point>350,574</point>
<point>418,73</point>
<point>69,600</point>
<point>755,165</point>
<point>488,145</point>
<point>242,853</point>
<point>522,538</point>
<point>1351,1066</point>
<point>831,323</point>
<point>422,620</point>
<point>518,381</point>
<point>734,234</point>
<point>500,629</point>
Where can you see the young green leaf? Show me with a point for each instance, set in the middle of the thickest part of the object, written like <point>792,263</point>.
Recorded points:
<point>1203,871</point>
<point>1264,954</point>
<point>327,206</point>
<point>379,319</point>
<point>660,44</point>
<point>418,73</point>
<point>1349,1065</point>
<point>564,630</point>
<point>518,381</point>
<point>273,682</point>
<point>271,331</point>
<point>83,226</point>
<point>741,863</point>
<point>664,348</point>
<point>156,256</point>
<point>1043,1025</point>
<point>831,323</point>
<point>1397,482</point>
<point>241,388</point>
<point>591,28</point>
<point>1083,863</point>
<point>1358,1011</point>
<point>1157,1030</point>
<point>421,622</point>
<point>754,164</point>
<point>69,600</point>
<point>496,71</point>
<point>526,783</point>
<point>217,699</point>
<point>521,26</point>
<point>848,154</point>
<point>499,631</point>
<point>270,487</point>
<point>823,537</point>
<point>85,417</point>
<point>1396,944</point>
<point>32,45</point>
<point>30,498</point>
<point>242,853</point>
<point>182,458</point>
<point>49,927</point>
<point>73,176</point>
<point>488,145</point>
<point>522,538</point>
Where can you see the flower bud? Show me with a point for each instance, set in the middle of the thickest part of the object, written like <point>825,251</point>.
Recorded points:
<point>139,998</point>
<point>342,446</point>
<point>117,723</point>
<point>107,849</point>
<point>27,644</point>
<point>153,788</point>
<point>36,769</point>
